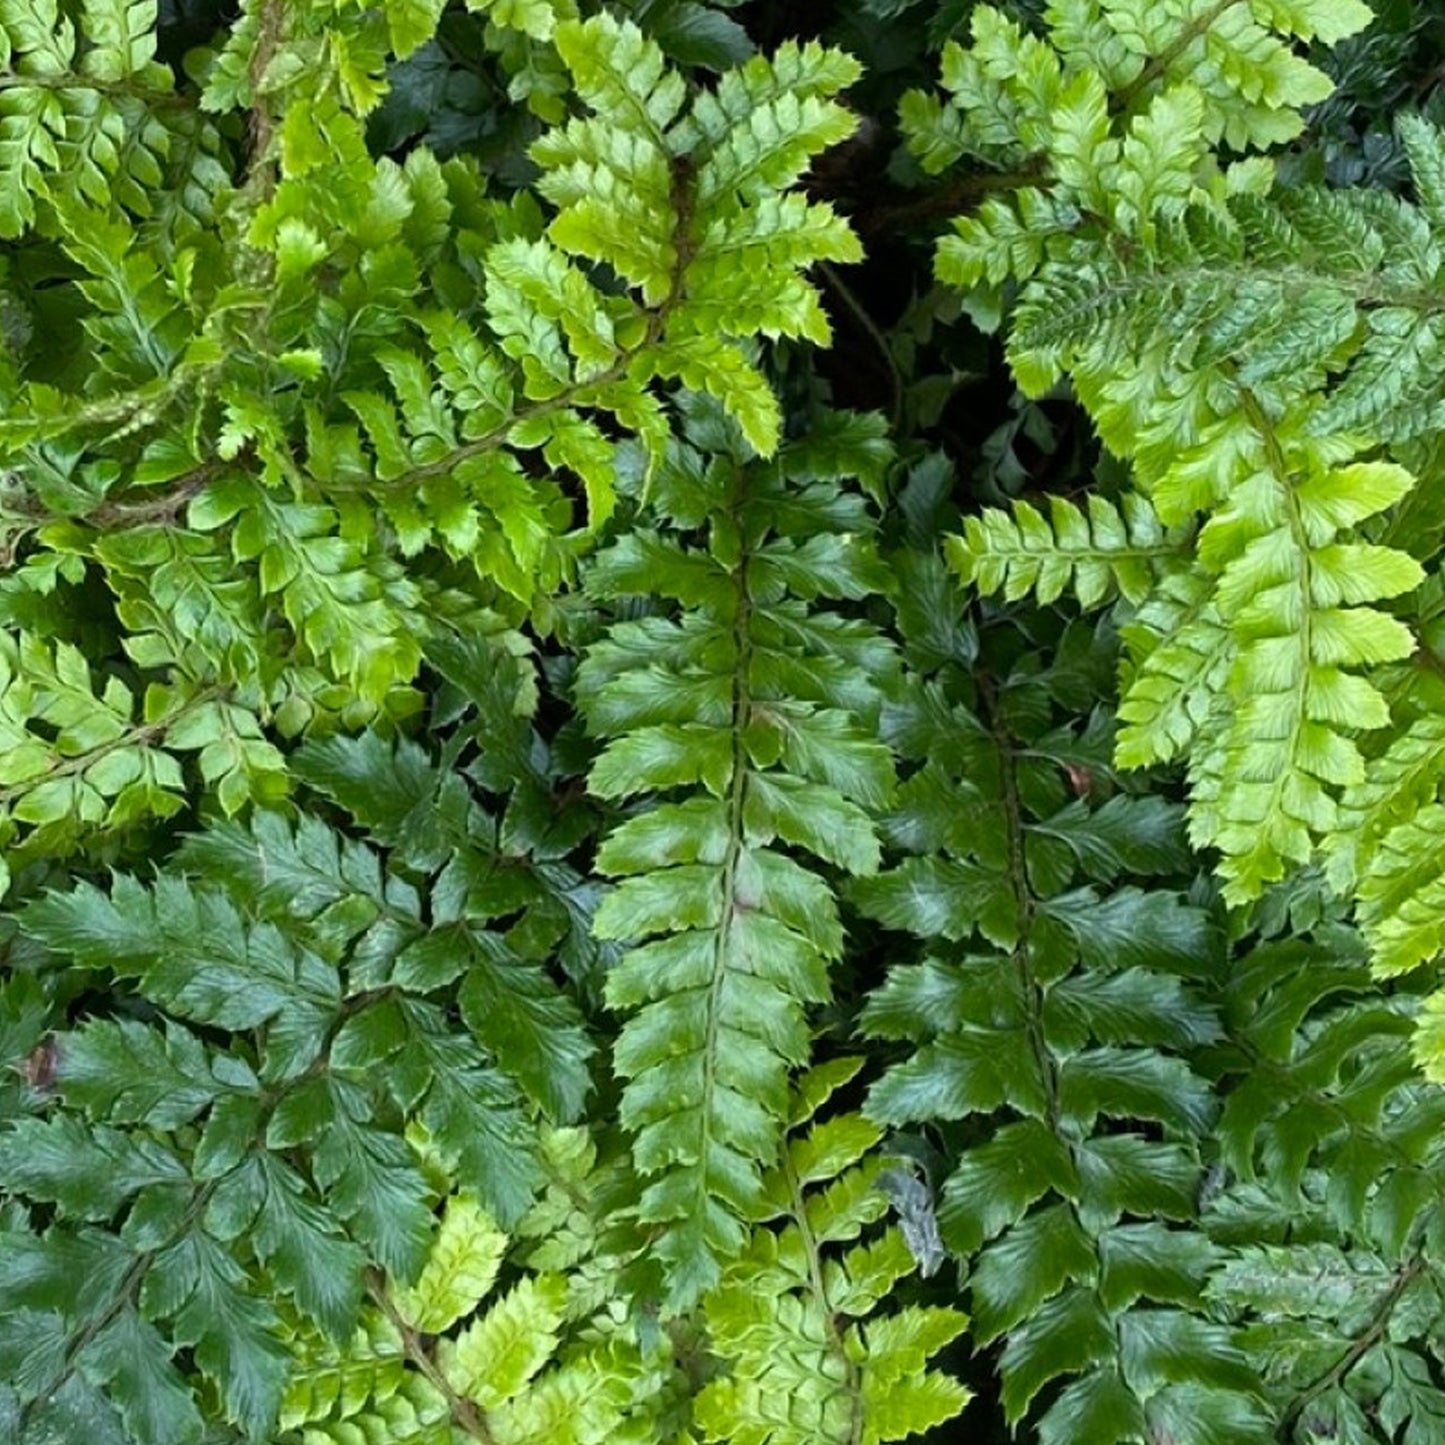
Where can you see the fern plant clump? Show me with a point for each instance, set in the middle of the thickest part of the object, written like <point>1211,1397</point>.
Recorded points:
<point>643,801</point>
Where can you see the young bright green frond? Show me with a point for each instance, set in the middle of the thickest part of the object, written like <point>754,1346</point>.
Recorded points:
<point>1015,95</point>
<point>460,1269</point>
<point>1093,553</point>
<point>808,1356</point>
<point>75,122</point>
<point>1281,576</point>
<point>275,432</point>
<point>673,202</point>
<point>1239,348</point>
<point>1180,655</point>
<point>455,1358</point>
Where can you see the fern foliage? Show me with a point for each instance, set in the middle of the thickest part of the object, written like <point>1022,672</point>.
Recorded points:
<point>741,727</point>
<point>581,863</point>
<point>1249,351</point>
<point>1051,1023</point>
<point>90,115</point>
<point>794,1316</point>
<point>260,1128</point>
<point>358,338</point>
<point>1328,1149</point>
<point>1095,553</point>
<point>461,1356</point>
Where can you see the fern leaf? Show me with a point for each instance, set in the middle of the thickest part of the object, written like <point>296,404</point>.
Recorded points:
<point>500,1368</point>
<point>824,1366</point>
<point>1281,754</point>
<point>1094,553</point>
<point>460,1270</point>
<point>741,934</point>
<point>1056,1015</point>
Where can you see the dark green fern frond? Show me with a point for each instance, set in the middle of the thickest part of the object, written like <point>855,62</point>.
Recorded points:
<point>742,727</point>
<point>1322,1203</point>
<point>1053,1013</point>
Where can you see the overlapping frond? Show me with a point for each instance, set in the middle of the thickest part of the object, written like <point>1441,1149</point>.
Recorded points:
<point>809,1357</point>
<point>278,429</point>
<point>459,1356</point>
<point>1328,1153</point>
<point>1096,552</point>
<point>1247,350</point>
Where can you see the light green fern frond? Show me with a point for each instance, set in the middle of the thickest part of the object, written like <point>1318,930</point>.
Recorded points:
<point>456,1358</point>
<point>1015,98</point>
<point>1288,588</point>
<point>1240,347</point>
<point>82,107</point>
<point>808,1359</point>
<point>1175,672</point>
<point>1094,552</point>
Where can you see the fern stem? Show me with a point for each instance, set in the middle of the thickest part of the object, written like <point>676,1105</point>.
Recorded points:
<point>732,860</point>
<point>852,1375</point>
<point>1362,1345</point>
<point>1024,901</point>
<point>125,1296</point>
<point>112,516</point>
<point>1279,465</point>
<point>260,176</point>
<point>154,99</point>
<point>465,1415</point>
<point>1160,64</point>
<point>1033,992</point>
<point>1081,310</point>
<point>874,333</point>
<point>129,1287</point>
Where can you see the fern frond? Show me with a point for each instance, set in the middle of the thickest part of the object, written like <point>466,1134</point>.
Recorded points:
<point>278,434</point>
<point>76,118</point>
<point>1240,347</point>
<point>1055,1017</point>
<point>807,1357</point>
<point>293,1087</point>
<point>1329,1148</point>
<point>1280,585</point>
<point>453,1359</point>
<point>1014,96</point>
<point>1095,552</point>
<point>739,745</point>
<point>326,975</point>
<point>1180,656</point>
